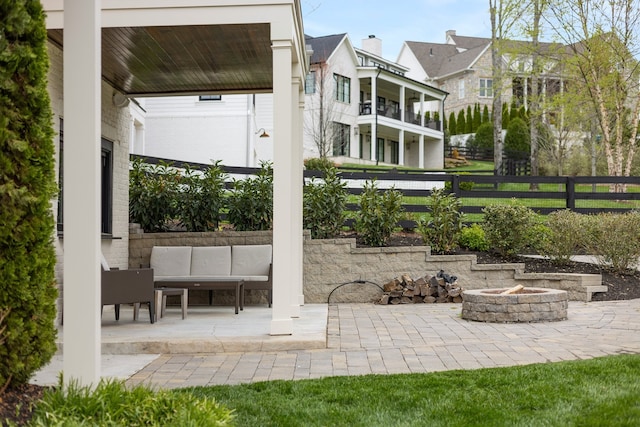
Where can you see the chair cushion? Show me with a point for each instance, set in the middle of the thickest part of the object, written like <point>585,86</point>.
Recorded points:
<point>171,260</point>
<point>250,260</point>
<point>211,261</point>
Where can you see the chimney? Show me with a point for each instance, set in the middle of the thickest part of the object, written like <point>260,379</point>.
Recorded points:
<point>372,45</point>
<point>450,33</point>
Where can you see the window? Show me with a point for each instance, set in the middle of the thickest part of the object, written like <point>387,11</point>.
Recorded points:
<point>395,152</point>
<point>310,83</point>
<point>341,137</point>
<point>106,186</point>
<point>380,150</point>
<point>106,172</point>
<point>342,88</point>
<point>461,89</point>
<point>486,88</point>
<point>382,104</point>
<point>210,98</point>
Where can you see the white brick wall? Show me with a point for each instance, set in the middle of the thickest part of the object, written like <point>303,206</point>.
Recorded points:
<point>116,124</point>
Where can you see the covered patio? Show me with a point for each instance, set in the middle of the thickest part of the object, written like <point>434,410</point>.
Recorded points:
<point>172,47</point>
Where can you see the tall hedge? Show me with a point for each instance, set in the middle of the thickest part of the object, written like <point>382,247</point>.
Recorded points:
<point>27,186</point>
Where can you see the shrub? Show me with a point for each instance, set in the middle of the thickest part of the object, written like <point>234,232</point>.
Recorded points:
<point>442,229</point>
<point>484,137</point>
<point>112,403</point>
<point>566,232</point>
<point>324,205</point>
<point>202,198</point>
<point>510,229</point>
<point>251,202</point>
<point>473,238</point>
<point>378,215</point>
<point>517,141</point>
<point>27,186</point>
<point>614,239</point>
<point>153,194</point>
<point>318,164</point>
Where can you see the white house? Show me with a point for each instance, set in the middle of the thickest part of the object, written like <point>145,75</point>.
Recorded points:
<point>338,118</point>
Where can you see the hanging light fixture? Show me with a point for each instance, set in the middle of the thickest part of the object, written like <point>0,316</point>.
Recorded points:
<point>263,134</point>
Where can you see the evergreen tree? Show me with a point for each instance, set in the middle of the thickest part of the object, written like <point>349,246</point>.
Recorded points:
<point>461,123</point>
<point>469,124</point>
<point>505,115</point>
<point>517,142</point>
<point>27,186</point>
<point>477,117</point>
<point>485,114</point>
<point>453,126</point>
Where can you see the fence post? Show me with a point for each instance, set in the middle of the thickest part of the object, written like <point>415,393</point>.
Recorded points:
<point>455,185</point>
<point>570,188</point>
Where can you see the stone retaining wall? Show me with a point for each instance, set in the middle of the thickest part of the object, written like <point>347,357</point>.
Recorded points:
<point>328,263</point>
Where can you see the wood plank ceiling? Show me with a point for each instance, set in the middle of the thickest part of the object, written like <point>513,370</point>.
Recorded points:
<point>170,60</point>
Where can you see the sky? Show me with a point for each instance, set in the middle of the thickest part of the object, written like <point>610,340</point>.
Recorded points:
<point>396,21</point>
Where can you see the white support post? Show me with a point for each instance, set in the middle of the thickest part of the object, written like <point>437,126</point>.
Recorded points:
<point>82,107</point>
<point>374,126</point>
<point>298,162</point>
<point>283,182</point>
<point>401,146</point>
<point>421,152</point>
<point>296,194</point>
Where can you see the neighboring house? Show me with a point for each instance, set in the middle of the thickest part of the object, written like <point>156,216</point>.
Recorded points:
<point>361,108</point>
<point>207,128</point>
<point>462,66</point>
<point>340,115</point>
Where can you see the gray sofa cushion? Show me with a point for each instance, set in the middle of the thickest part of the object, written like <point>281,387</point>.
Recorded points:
<point>250,260</point>
<point>211,261</point>
<point>171,260</point>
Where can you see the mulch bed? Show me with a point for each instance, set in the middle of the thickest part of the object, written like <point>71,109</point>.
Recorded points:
<point>16,403</point>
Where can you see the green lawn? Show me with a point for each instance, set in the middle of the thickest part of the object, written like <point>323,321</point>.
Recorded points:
<point>597,392</point>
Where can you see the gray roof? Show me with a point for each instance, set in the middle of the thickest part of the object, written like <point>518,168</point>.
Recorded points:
<point>438,59</point>
<point>323,46</point>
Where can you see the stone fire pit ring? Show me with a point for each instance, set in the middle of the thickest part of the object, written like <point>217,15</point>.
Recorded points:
<point>528,305</point>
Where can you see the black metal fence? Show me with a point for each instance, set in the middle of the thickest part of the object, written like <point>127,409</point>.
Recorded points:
<point>543,194</point>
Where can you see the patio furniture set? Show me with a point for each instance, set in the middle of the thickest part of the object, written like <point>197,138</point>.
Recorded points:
<point>174,270</point>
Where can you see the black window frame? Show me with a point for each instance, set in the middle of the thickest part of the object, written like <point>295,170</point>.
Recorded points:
<point>106,184</point>
<point>341,139</point>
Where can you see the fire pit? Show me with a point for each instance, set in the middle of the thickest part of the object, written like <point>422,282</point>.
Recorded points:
<point>515,305</point>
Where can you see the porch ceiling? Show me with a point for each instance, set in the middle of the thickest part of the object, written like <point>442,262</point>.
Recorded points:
<point>166,60</point>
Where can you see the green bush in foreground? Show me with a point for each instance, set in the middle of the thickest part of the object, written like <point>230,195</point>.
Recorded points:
<point>614,239</point>
<point>113,404</point>
<point>472,238</point>
<point>323,205</point>
<point>378,215</point>
<point>442,229</point>
<point>511,229</point>
<point>566,235</point>
<point>251,201</point>
<point>27,186</point>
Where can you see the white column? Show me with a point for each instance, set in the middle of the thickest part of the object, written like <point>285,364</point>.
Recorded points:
<point>421,152</point>
<point>300,179</point>
<point>283,177</point>
<point>82,66</point>
<point>374,126</point>
<point>296,195</point>
<point>401,148</point>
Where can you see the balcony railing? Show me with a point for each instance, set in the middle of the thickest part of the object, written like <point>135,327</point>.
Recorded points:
<point>409,117</point>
